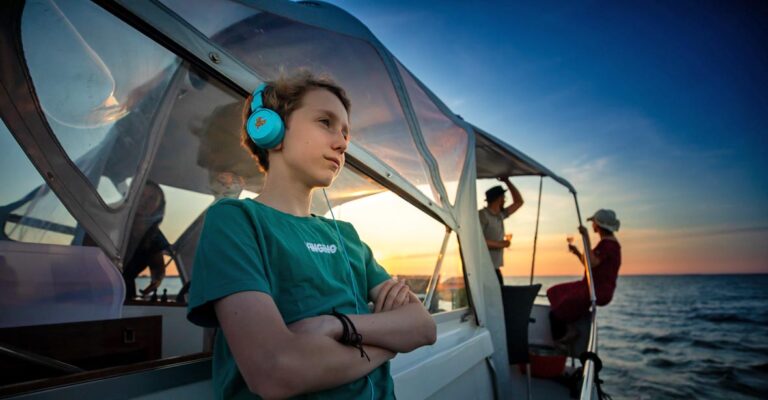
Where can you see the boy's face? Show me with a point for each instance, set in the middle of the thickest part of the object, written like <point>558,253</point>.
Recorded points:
<point>316,139</point>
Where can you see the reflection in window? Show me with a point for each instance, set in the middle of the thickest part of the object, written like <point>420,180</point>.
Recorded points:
<point>29,210</point>
<point>99,83</point>
<point>446,141</point>
<point>272,45</point>
<point>200,149</point>
<point>199,159</point>
<point>407,250</point>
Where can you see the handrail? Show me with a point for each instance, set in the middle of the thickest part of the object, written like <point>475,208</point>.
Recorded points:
<point>41,224</point>
<point>38,359</point>
<point>20,388</point>
<point>588,381</point>
<point>588,377</point>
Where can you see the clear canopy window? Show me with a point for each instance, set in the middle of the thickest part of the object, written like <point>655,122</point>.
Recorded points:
<point>446,141</point>
<point>199,158</point>
<point>272,45</point>
<point>409,250</point>
<point>29,210</point>
<point>450,288</point>
<point>98,97</point>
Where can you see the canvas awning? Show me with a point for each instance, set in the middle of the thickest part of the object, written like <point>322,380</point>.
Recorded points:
<point>495,158</point>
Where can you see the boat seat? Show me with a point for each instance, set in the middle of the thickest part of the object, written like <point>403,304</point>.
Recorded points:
<point>518,302</point>
<point>48,284</point>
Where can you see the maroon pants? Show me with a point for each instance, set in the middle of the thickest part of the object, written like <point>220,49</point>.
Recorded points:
<point>569,301</point>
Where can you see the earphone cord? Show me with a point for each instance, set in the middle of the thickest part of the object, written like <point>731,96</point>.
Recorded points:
<point>351,276</point>
<point>343,250</point>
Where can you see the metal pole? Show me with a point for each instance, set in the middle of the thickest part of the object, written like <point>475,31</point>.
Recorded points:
<point>436,274</point>
<point>587,387</point>
<point>536,234</point>
<point>587,259</point>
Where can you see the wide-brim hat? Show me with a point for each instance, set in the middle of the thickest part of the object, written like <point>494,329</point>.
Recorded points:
<point>494,193</point>
<point>606,219</point>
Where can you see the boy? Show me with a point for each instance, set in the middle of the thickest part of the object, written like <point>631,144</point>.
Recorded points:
<point>286,292</point>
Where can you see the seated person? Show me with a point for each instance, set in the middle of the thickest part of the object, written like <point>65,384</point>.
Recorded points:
<point>146,242</point>
<point>570,301</point>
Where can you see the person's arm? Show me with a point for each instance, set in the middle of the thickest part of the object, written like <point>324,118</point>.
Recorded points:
<point>593,258</point>
<point>400,321</point>
<point>157,272</point>
<point>277,362</point>
<point>497,244</point>
<point>517,199</point>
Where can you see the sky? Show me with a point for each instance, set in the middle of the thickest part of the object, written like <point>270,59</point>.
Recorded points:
<point>658,111</point>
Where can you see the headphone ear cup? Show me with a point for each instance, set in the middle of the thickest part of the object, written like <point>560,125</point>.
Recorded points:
<point>265,128</point>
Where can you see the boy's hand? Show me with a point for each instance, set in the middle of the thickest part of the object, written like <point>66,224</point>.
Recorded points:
<point>322,325</point>
<point>393,295</point>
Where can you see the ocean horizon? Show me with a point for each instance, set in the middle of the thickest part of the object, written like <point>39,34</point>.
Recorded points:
<point>682,336</point>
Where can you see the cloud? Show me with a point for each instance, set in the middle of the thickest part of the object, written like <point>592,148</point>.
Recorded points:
<point>455,103</point>
<point>587,169</point>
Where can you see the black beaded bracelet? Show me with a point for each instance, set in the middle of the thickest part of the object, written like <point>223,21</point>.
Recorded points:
<point>349,334</point>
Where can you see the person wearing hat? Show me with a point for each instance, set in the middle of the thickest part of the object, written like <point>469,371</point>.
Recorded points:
<point>492,221</point>
<point>570,301</point>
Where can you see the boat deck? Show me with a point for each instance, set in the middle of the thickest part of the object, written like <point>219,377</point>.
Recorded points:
<point>540,388</point>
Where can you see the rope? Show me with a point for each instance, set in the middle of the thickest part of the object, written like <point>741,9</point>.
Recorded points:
<point>588,355</point>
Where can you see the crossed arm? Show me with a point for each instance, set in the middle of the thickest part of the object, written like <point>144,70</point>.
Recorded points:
<point>280,361</point>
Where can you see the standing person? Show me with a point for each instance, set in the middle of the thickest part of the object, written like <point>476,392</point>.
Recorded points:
<point>492,221</point>
<point>570,301</point>
<point>289,294</point>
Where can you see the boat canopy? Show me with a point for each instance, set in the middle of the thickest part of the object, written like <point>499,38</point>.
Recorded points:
<point>496,158</point>
<point>114,93</point>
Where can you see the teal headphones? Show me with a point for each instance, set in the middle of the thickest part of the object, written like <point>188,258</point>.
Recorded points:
<point>264,126</point>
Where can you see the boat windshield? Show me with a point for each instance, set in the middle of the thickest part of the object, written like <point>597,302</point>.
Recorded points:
<point>274,46</point>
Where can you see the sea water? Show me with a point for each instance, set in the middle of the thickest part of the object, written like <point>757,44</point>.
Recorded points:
<point>673,337</point>
<point>682,336</point>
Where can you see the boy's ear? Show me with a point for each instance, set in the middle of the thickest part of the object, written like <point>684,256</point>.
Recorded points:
<point>279,147</point>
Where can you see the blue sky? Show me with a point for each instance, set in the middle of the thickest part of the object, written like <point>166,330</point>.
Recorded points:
<point>659,111</point>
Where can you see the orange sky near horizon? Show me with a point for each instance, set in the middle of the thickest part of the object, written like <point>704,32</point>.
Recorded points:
<point>406,241</point>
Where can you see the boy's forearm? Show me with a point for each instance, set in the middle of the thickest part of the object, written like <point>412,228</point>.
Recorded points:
<point>316,363</point>
<point>402,330</point>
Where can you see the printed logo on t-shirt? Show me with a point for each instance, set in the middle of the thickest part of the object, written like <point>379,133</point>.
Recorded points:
<point>321,248</point>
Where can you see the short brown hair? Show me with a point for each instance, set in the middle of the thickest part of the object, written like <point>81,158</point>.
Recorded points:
<point>284,96</point>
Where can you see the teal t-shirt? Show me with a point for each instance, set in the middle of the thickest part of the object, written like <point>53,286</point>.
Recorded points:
<point>246,245</point>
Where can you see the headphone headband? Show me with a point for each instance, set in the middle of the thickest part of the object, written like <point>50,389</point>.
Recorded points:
<point>258,97</point>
